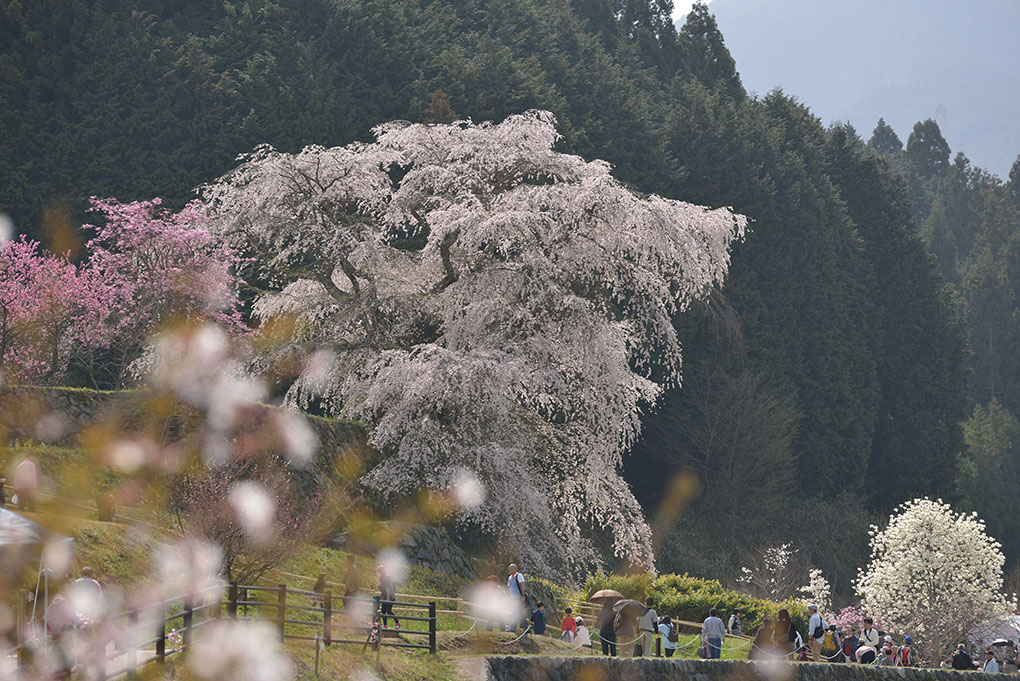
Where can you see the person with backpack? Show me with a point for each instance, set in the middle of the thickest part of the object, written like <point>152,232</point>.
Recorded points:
<point>905,656</point>
<point>848,648</point>
<point>733,626</point>
<point>670,636</point>
<point>784,635</point>
<point>816,632</point>
<point>831,645</point>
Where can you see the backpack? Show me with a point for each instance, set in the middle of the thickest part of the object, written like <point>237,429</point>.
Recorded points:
<point>906,656</point>
<point>829,643</point>
<point>672,636</point>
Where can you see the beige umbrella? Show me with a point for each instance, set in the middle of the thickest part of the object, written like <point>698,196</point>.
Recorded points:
<point>606,595</point>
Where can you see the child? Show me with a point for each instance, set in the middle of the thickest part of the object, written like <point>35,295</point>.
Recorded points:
<point>538,619</point>
<point>887,659</point>
<point>568,627</point>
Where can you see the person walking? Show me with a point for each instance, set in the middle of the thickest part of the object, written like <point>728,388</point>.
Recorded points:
<point>670,636</point>
<point>762,648</point>
<point>387,595</point>
<point>713,633</point>
<point>991,665</point>
<point>647,625</point>
<point>816,633</point>
<point>518,588</point>
<point>784,635</point>
<point>606,623</point>
<point>733,626</point>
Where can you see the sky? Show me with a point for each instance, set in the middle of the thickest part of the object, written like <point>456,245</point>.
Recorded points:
<point>682,7</point>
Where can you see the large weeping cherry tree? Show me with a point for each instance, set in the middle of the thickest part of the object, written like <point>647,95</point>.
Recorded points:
<point>495,310</point>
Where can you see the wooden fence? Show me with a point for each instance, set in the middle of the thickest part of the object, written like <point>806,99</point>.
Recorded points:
<point>159,631</point>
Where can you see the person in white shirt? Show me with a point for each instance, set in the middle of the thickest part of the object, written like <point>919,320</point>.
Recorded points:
<point>991,665</point>
<point>582,637</point>
<point>816,633</point>
<point>515,583</point>
<point>665,628</point>
<point>733,626</point>
<point>869,636</point>
<point>647,624</point>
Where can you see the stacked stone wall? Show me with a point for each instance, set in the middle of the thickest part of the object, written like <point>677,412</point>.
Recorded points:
<point>661,669</point>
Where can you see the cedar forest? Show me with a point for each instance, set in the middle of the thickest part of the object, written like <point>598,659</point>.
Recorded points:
<point>864,350</point>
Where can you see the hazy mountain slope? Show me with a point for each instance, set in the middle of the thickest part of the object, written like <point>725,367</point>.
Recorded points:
<point>902,59</point>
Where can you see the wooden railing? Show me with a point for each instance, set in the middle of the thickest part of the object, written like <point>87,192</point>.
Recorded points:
<point>161,630</point>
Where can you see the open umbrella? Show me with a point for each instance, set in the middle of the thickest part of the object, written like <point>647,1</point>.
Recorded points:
<point>628,607</point>
<point>606,595</point>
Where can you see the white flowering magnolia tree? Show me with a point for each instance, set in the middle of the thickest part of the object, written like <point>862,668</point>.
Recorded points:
<point>495,310</point>
<point>934,573</point>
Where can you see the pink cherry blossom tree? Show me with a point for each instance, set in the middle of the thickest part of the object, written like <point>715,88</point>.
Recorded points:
<point>146,267</point>
<point>42,299</point>
<point>493,308</point>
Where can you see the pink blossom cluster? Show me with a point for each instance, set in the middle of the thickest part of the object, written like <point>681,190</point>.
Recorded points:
<point>145,267</point>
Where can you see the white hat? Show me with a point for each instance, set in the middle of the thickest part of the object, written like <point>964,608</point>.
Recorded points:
<point>812,606</point>
<point>888,638</point>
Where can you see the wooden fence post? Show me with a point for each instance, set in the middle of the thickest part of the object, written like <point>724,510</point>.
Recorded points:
<point>432,627</point>
<point>132,651</point>
<point>327,617</point>
<point>232,600</point>
<point>186,624</point>
<point>281,610</point>
<point>161,640</point>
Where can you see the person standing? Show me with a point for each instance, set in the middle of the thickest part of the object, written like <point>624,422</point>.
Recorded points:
<point>518,588</point>
<point>905,657</point>
<point>733,626</point>
<point>850,645</point>
<point>962,660</point>
<point>538,619</point>
<point>319,589</point>
<point>670,637</point>
<point>647,624</point>
<point>352,584</point>
<point>387,595</point>
<point>606,623</point>
<point>26,484</point>
<point>991,665</point>
<point>713,633</point>
<point>816,633</point>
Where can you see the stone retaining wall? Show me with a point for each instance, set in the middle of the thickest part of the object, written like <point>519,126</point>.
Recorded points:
<point>613,669</point>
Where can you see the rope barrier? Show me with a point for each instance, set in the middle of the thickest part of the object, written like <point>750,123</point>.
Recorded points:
<point>506,643</point>
<point>473,625</point>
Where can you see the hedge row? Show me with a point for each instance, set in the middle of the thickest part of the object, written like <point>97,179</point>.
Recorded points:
<point>690,598</point>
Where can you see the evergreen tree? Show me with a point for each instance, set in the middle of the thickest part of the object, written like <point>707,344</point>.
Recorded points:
<point>884,139</point>
<point>708,58</point>
<point>927,150</point>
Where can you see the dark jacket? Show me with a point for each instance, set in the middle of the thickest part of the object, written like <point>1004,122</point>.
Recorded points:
<point>961,660</point>
<point>538,621</point>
